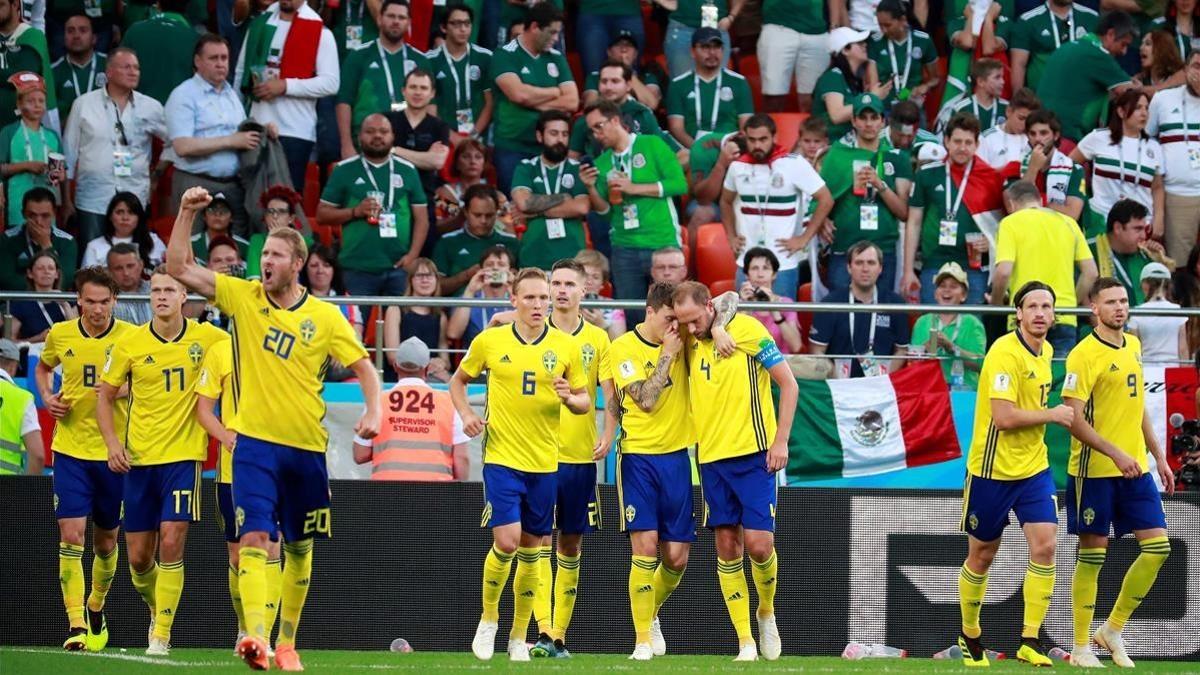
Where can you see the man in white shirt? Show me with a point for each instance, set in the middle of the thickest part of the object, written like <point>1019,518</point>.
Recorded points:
<point>288,61</point>
<point>1175,121</point>
<point>1007,143</point>
<point>108,143</point>
<point>761,202</point>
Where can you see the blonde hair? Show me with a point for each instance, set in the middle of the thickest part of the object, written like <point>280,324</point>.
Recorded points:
<point>293,239</point>
<point>421,264</point>
<point>526,273</point>
<point>593,258</point>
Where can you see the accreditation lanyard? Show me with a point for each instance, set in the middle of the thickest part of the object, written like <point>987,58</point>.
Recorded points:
<point>464,99</point>
<point>391,181</point>
<point>1054,26</point>
<point>29,144</point>
<point>387,70</point>
<point>350,12</point>
<point>716,101</point>
<point>991,111</point>
<point>45,314</point>
<point>1137,167</point>
<point>1120,270</point>
<point>871,333</point>
<point>79,91</point>
<point>562,168</point>
<point>621,160</point>
<point>901,82</point>
<point>952,209</point>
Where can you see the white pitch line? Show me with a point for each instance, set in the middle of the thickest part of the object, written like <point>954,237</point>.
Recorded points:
<point>127,657</point>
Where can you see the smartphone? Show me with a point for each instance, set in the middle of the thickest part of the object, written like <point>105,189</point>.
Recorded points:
<point>497,277</point>
<point>587,160</point>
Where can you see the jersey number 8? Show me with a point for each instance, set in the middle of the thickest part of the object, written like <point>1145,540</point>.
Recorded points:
<point>89,375</point>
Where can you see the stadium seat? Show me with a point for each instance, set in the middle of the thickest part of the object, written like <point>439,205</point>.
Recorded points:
<point>312,188</point>
<point>804,294</point>
<point>326,234</point>
<point>577,70</point>
<point>714,258</point>
<point>160,201</point>
<point>719,287</point>
<point>162,226</point>
<point>787,127</point>
<point>747,67</point>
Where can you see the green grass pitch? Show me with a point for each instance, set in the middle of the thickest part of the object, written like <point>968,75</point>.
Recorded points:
<point>36,661</point>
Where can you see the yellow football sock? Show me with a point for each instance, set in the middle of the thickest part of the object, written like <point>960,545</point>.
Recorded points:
<point>525,583</point>
<point>252,584</point>
<point>764,574</point>
<point>641,595</point>
<point>542,610</point>
<point>1139,579</point>
<point>971,589</point>
<point>566,588</point>
<point>496,567</point>
<point>70,577</point>
<point>1084,583</point>
<point>274,571</point>
<point>295,582</point>
<point>1037,590</point>
<point>737,597</point>
<point>235,597</point>
<point>166,598</point>
<point>666,580</point>
<point>144,583</point>
<point>104,568</point>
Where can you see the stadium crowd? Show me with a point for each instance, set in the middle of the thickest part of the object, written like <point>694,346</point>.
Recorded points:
<point>787,149</point>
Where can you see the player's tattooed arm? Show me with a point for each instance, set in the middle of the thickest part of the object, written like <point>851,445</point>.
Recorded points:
<point>646,392</point>
<point>725,305</point>
<point>536,204</point>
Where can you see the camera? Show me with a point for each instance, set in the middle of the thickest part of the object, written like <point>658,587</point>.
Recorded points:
<point>1185,444</point>
<point>761,295</point>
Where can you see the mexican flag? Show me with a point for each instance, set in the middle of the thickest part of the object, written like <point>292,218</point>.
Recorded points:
<point>872,425</point>
<point>984,196</point>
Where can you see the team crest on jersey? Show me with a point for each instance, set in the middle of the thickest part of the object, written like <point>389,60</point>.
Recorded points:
<point>196,353</point>
<point>639,161</point>
<point>308,330</point>
<point>568,181</point>
<point>630,513</point>
<point>549,361</point>
<point>870,428</point>
<point>726,94</point>
<point>1089,515</point>
<point>552,69</point>
<point>776,180</point>
<point>473,73</point>
<point>589,354</point>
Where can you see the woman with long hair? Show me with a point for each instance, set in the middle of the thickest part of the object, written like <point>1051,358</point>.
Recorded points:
<point>1126,164</point>
<point>428,324</point>
<point>467,167</point>
<point>125,222</point>
<point>31,319</point>
<point>1162,62</point>
<point>1181,21</point>
<point>1164,338</point>
<point>322,276</point>
<point>850,72</point>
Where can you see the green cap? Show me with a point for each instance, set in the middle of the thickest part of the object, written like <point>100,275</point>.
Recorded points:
<point>867,101</point>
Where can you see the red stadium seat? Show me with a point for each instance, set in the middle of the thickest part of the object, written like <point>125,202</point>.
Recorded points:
<point>804,294</point>
<point>714,258</point>
<point>162,226</point>
<point>747,66</point>
<point>312,188</point>
<point>719,287</point>
<point>160,201</point>
<point>787,127</point>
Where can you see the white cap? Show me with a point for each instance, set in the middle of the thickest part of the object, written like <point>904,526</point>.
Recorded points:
<point>839,38</point>
<point>931,152</point>
<point>412,354</point>
<point>1155,270</point>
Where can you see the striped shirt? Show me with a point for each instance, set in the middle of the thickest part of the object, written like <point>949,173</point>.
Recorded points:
<point>1175,121</point>
<point>769,203</point>
<point>1124,171</point>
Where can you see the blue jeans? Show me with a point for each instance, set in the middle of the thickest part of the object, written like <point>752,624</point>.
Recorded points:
<point>1063,338</point>
<point>678,48</point>
<point>786,283</point>
<point>976,278</point>
<point>839,275</point>
<point>594,32</point>
<point>297,151</point>
<point>506,162</point>
<point>374,284</point>
<point>631,278</point>
<point>600,229</point>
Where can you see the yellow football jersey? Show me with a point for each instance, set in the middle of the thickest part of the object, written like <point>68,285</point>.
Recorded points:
<point>215,383</point>
<point>668,427</point>
<point>577,433</point>
<point>162,372</point>
<point>1109,379</point>
<point>522,408</point>
<point>1011,372</point>
<point>280,355</point>
<point>731,397</point>
<point>82,357</point>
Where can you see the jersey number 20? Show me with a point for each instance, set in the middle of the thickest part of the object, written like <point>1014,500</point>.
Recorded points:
<point>279,343</point>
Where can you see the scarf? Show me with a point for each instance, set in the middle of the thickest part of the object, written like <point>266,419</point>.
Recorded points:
<point>299,58</point>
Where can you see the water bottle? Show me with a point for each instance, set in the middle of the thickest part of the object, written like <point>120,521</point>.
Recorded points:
<point>1059,654</point>
<point>401,645</point>
<point>855,651</point>
<point>956,375</point>
<point>955,652</point>
<point>879,651</point>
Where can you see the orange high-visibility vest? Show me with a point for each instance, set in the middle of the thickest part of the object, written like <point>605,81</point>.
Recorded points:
<point>416,439</point>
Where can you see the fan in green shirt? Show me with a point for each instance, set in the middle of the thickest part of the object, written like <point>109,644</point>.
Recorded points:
<point>376,237</point>
<point>354,25</point>
<point>847,76</point>
<point>959,337</point>
<point>165,44</point>
<point>1041,31</point>
<point>644,85</point>
<point>1079,78</point>
<point>707,98</point>
<point>633,182</point>
<point>457,253</point>
<point>994,35</point>
<point>25,146</point>
<point>464,90</point>
<point>24,51</point>
<point>903,56</point>
<point>551,198</point>
<point>530,76</point>
<point>615,83</point>
<point>81,69</point>
<point>1120,252</point>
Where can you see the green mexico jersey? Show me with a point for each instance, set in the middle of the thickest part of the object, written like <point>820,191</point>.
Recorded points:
<point>461,83</point>
<point>460,250</point>
<point>832,81</point>
<point>510,13</point>
<point>644,222</point>
<point>25,51</point>
<point>166,42</point>
<point>838,173</point>
<point>900,62</point>
<point>73,81</point>
<point>1075,84</point>
<point>353,27</point>
<point>1040,32</point>
<point>611,7</point>
<point>548,240</point>
<point>515,124</point>
<point>932,188</point>
<point>592,82</point>
<point>637,118</point>
<point>19,144</point>
<point>709,105</point>
<point>1126,267</point>
<point>373,79</point>
<point>688,12</point>
<point>802,16</point>
<point>363,247</point>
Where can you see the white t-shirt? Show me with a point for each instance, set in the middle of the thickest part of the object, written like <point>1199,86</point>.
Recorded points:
<point>97,250</point>
<point>770,202</point>
<point>999,148</point>
<point>1123,171</point>
<point>1159,334</point>
<point>1171,110</point>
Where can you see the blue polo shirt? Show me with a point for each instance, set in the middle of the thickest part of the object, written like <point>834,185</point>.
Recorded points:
<point>833,329</point>
<point>197,109</point>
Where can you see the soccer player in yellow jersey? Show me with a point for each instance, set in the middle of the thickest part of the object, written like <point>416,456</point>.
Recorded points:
<point>1008,470</point>
<point>533,371</point>
<point>1109,487</point>
<point>283,339</point>
<point>741,444</point>
<point>161,446</point>
<point>577,510</point>
<point>83,483</point>
<point>216,386</point>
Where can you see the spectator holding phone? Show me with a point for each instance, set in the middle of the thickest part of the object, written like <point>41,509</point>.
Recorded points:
<point>457,254</point>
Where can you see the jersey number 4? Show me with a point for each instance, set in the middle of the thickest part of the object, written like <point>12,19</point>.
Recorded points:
<point>410,401</point>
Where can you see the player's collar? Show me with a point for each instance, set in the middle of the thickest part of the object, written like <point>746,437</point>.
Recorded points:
<point>294,307</point>
<point>112,322</point>
<point>545,329</point>
<point>576,331</point>
<point>1108,344</point>
<point>177,338</point>
<point>1021,339</point>
<point>643,338</point>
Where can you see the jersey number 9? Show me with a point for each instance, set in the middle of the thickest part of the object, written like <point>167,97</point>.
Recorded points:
<point>279,343</point>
